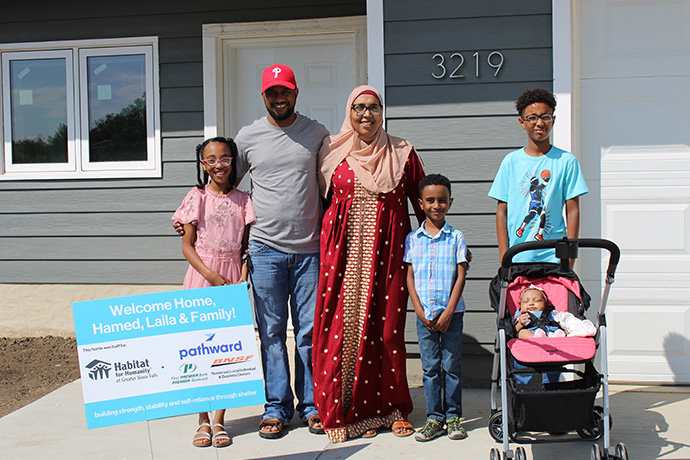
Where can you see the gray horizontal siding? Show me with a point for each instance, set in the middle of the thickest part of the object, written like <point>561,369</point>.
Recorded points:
<point>444,34</point>
<point>118,231</point>
<point>162,11</point>
<point>463,127</point>
<point>458,98</point>
<point>76,224</point>
<point>473,227</point>
<point>187,99</point>
<point>403,10</point>
<point>182,124</point>
<point>92,248</point>
<point>181,74</point>
<point>93,271</point>
<point>467,165</point>
<point>179,49</point>
<point>145,199</point>
<point>472,132</point>
<point>45,20</point>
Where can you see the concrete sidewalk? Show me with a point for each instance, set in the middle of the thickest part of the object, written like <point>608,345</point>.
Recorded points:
<point>651,421</point>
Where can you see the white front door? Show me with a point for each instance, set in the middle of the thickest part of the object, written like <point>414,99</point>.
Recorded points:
<point>324,67</point>
<point>634,116</point>
<point>328,56</point>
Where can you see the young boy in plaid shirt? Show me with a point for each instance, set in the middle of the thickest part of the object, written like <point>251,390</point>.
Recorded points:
<point>436,255</point>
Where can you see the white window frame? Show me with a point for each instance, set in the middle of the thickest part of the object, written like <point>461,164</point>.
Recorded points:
<point>78,165</point>
<point>84,54</point>
<point>69,81</point>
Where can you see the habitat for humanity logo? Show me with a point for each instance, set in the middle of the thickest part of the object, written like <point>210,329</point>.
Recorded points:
<point>208,348</point>
<point>98,369</point>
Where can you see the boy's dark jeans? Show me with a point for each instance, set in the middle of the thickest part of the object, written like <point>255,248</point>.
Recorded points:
<point>442,365</point>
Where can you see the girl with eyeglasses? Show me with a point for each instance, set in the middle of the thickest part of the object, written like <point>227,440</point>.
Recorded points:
<point>216,219</point>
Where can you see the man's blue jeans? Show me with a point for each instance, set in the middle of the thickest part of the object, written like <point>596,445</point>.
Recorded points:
<point>442,365</point>
<point>279,279</point>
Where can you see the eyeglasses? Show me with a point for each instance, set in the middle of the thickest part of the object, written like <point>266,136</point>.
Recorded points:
<point>374,109</point>
<point>225,161</point>
<point>532,119</point>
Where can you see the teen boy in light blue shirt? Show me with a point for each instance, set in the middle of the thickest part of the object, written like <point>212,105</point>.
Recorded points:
<point>436,255</point>
<point>536,184</point>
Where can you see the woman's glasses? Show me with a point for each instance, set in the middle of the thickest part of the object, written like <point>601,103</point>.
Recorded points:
<point>225,161</point>
<point>532,119</point>
<point>374,109</point>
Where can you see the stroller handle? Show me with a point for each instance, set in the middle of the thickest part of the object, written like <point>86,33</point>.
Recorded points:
<point>565,249</point>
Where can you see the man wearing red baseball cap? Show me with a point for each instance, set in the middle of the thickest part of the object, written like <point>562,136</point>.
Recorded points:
<point>279,90</point>
<point>280,153</point>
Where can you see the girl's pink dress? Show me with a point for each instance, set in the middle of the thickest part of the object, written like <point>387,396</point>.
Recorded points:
<point>220,222</point>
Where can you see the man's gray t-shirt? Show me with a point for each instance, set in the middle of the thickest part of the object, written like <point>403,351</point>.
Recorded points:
<point>282,164</point>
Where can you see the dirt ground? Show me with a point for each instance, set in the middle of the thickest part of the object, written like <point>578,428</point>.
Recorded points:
<point>31,367</point>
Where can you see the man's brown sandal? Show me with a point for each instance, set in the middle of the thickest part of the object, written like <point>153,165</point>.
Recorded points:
<point>272,422</point>
<point>315,420</point>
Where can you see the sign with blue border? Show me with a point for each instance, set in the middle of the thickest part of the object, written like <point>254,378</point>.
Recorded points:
<point>159,355</point>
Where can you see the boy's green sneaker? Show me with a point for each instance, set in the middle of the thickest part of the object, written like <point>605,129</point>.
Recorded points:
<point>455,429</point>
<point>432,429</point>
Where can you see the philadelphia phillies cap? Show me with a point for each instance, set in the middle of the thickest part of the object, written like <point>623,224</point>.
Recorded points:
<point>278,75</point>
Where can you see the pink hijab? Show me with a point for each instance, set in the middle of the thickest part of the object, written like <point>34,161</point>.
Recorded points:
<point>379,165</point>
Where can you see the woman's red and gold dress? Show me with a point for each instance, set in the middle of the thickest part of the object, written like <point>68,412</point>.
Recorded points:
<point>360,380</point>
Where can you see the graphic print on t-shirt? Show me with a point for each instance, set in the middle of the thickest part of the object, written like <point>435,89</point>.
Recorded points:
<point>533,185</point>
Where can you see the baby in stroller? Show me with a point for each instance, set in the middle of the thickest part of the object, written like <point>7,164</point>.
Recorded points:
<point>549,385</point>
<point>537,317</point>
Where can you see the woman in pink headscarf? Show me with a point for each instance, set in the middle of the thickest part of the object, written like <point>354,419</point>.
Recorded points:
<point>360,381</point>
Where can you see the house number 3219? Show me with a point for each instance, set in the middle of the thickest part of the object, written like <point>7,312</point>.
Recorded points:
<point>457,60</point>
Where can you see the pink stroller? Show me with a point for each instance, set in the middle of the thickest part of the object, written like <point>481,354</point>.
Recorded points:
<point>548,385</point>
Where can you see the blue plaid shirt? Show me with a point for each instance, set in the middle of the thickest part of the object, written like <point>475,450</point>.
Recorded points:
<point>434,261</point>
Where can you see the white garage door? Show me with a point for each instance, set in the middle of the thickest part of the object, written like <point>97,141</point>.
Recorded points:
<point>634,115</point>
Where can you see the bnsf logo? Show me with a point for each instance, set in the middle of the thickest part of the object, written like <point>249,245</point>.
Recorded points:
<point>234,360</point>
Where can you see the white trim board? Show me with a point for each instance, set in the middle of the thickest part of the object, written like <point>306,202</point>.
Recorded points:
<point>563,74</point>
<point>375,46</point>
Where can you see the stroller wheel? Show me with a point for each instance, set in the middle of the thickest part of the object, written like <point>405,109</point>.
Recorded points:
<point>598,429</point>
<point>621,451</point>
<point>595,453</point>
<point>496,426</point>
<point>520,453</point>
<point>495,454</point>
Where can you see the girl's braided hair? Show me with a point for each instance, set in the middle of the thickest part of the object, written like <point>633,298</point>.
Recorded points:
<point>199,156</point>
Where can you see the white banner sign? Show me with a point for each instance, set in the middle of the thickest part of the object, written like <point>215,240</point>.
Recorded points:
<point>170,353</point>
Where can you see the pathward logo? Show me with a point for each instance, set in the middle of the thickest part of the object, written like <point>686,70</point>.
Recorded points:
<point>208,348</point>
<point>98,369</point>
<point>187,368</point>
